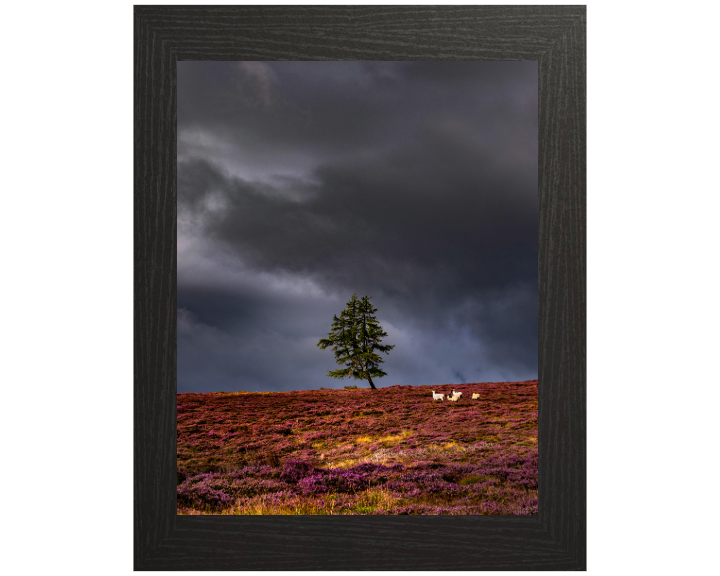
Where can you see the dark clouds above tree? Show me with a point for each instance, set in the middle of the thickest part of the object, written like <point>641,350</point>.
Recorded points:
<point>300,183</point>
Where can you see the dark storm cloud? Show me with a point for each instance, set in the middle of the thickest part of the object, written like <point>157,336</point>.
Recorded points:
<point>415,183</point>
<point>308,109</point>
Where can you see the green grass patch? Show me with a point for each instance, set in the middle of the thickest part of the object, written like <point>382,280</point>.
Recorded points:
<point>473,480</point>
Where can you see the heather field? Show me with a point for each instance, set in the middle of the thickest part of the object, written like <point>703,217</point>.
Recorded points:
<point>358,451</point>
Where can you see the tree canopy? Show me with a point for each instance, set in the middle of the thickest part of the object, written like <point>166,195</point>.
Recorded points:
<point>355,339</point>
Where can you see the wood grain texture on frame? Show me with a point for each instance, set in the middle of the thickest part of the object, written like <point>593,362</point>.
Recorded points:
<point>552,35</point>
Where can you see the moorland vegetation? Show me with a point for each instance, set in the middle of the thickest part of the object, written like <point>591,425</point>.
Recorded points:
<point>359,451</point>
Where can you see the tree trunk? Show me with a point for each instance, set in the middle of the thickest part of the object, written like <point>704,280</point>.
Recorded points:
<point>371,382</point>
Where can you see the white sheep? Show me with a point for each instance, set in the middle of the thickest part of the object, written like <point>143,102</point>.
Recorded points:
<point>453,398</point>
<point>475,396</point>
<point>458,394</point>
<point>438,396</point>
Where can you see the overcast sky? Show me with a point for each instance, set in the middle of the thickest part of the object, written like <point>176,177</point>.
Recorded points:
<point>301,183</point>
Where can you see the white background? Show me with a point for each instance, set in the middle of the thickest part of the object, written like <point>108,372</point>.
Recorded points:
<point>66,226</point>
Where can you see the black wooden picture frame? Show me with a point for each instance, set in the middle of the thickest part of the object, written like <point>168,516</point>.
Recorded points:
<point>555,539</point>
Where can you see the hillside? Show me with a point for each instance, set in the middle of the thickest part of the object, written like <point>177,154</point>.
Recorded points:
<point>390,451</point>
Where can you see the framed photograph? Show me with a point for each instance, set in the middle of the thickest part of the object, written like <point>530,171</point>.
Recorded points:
<point>446,145</point>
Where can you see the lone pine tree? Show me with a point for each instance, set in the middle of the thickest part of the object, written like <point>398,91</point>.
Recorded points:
<point>354,338</point>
